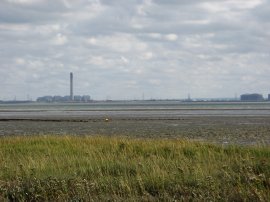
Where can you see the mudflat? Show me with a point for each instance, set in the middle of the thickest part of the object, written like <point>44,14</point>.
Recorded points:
<point>225,123</point>
<point>219,129</point>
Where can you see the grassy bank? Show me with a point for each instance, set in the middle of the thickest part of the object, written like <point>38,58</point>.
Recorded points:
<point>98,168</point>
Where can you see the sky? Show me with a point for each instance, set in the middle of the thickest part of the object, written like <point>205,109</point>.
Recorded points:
<point>124,49</point>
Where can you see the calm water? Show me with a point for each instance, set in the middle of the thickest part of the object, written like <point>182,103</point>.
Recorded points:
<point>132,109</point>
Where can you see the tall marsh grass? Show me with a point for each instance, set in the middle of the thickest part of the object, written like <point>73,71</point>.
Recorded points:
<point>60,168</point>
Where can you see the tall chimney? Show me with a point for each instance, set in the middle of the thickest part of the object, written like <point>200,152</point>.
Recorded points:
<point>71,87</point>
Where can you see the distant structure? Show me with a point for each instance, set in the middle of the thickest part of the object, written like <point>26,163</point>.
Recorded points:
<point>46,98</point>
<point>268,97</point>
<point>252,97</point>
<point>67,98</point>
<point>189,98</point>
<point>61,99</point>
<point>71,87</point>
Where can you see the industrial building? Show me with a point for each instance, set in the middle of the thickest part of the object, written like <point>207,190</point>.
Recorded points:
<point>71,87</point>
<point>58,98</point>
<point>47,98</point>
<point>252,97</point>
<point>67,98</point>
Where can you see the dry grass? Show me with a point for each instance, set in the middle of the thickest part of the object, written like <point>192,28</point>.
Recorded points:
<point>60,168</point>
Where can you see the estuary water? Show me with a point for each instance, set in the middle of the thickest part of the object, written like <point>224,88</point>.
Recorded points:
<point>131,110</point>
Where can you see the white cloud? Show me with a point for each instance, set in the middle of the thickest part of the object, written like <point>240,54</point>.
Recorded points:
<point>27,2</point>
<point>155,81</point>
<point>92,41</point>
<point>15,27</point>
<point>171,37</point>
<point>59,39</point>
<point>84,12</point>
<point>20,61</point>
<point>148,55</point>
<point>119,42</point>
<point>96,60</point>
<point>125,60</point>
<point>155,35</point>
<point>142,8</point>
<point>48,29</point>
<point>230,5</point>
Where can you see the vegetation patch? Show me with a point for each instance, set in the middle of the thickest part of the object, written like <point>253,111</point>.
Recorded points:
<point>75,168</point>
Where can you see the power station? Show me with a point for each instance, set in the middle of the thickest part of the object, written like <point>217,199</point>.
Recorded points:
<point>67,98</point>
<point>71,87</point>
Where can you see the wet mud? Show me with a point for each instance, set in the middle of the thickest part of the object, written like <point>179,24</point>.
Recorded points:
<point>242,130</point>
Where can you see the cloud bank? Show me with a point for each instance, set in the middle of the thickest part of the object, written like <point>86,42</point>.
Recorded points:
<point>122,49</point>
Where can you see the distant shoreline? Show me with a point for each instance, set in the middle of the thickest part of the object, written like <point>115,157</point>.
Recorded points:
<point>130,101</point>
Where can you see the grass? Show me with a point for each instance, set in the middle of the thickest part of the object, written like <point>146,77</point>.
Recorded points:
<point>61,168</point>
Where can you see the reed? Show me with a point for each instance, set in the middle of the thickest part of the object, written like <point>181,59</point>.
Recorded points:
<point>60,168</point>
